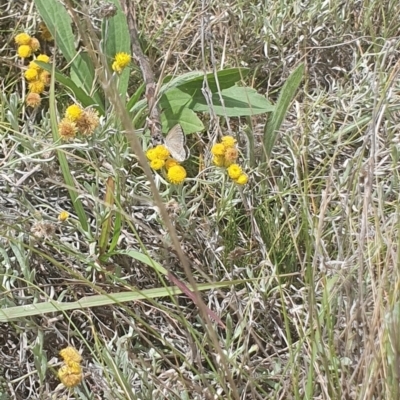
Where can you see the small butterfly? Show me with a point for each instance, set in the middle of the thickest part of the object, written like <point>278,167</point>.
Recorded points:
<point>176,144</point>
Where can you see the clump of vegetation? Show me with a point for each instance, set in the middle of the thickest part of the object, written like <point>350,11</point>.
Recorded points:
<point>199,200</point>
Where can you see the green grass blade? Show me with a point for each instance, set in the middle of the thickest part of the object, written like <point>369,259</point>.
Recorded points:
<point>68,179</point>
<point>12,313</point>
<point>286,96</point>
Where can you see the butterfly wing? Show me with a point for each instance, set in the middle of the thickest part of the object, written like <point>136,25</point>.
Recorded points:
<point>175,142</point>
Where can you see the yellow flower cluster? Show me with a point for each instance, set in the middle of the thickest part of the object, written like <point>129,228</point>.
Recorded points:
<point>159,158</point>
<point>38,79</point>
<point>121,60</point>
<point>225,155</point>
<point>78,120</point>
<point>27,45</point>
<point>70,374</point>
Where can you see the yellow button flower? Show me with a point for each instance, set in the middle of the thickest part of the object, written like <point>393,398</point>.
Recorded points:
<point>63,216</point>
<point>22,38</point>
<point>70,375</point>
<point>170,163</point>
<point>43,57</point>
<point>121,60</point>
<point>234,171</point>
<point>157,164</point>
<point>151,154</point>
<point>73,113</point>
<point>31,74</point>
<point>218,149</point>
<point>36,87</point>
<point>162,152</point>
<point>219,161</point>
<point>24,51</point>
<point>70,353</point>
<point>176,174</point>
<point>228,141</point>
<point>242,180</point>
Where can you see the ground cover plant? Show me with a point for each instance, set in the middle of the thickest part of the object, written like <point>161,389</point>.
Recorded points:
<point>199,200</point>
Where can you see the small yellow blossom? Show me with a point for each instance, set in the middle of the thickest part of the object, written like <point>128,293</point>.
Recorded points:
<point>33,65</point>
<point>31,74</point>
<point>63,216</point>
<point>43,57</point>
<point>228,141</point>
<point>34,44</point>
<point>67,129</point>
<point>218,149</point>
<point>45,33</point>
<point>176,174</point>
<point>234,171</point>
<point>157,164</point>
<point>219,161</point>
<point>22,39</point>
<point>162,152</point>
<point>36,87</point>
<point>70,375</point>
<point>242,179</point>
<point>73,113</point>
<point>121,60</point>
<point>70,353</point>
<point>33,100</point>
<point>170,163</point>
<point>151,154</point>
<point>24,51</point>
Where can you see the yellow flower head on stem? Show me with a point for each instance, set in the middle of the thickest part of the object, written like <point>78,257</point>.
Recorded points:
<point>157,164</point>
<point>70,374</point>
<point>228,141</point>
<point>121,60</point>
<point>63,216</point>
<point>70,353</point>
<point>242,180</point>
<point>43,57</point>
<point>36,87</point>
<point>162,152</point>
<point>176,174</point>
<point>24,51</point>
<point>218,150</point>
<point>234,171</point>
<point>219,161</point>
<point>31,74</point>
<point>22,38</point>
<point>170,163</point>
<point>73,113</point>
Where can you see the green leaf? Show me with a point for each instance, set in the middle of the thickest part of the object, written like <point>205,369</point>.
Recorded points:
<point>226,79</point>
<point>116,38</point>
<point>187,118</point>
<point>58,21</point>
<point>135,97</point>
<point>285,98</point>
<point>238,101</point>
<point>192,83</point>
<point>12,313</point>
